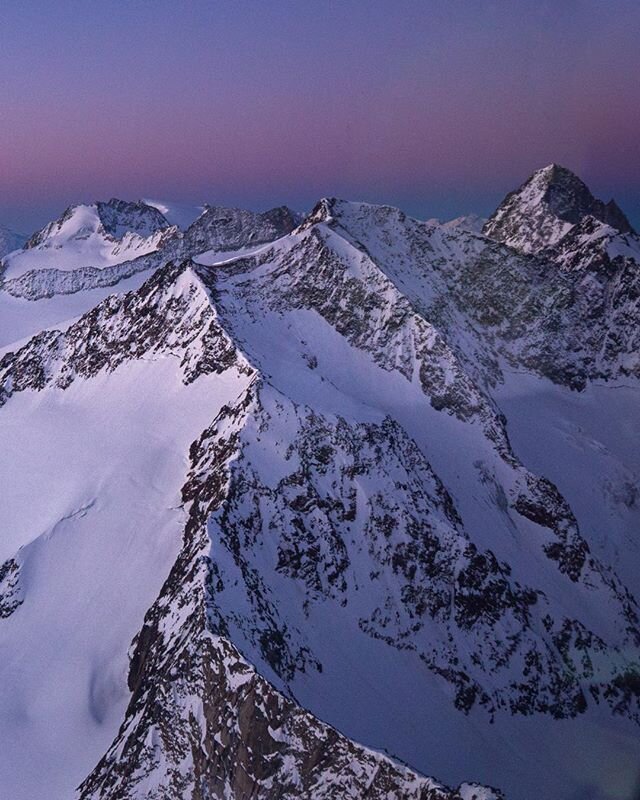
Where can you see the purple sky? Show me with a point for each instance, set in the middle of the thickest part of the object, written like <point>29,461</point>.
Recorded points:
<point>438,106</point>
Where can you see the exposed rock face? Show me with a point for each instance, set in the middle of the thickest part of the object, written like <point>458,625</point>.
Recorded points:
<point>224,229</point>
<point>545,207</point>
<point>10,592</point>
<point>202,723</point>
<point>40,283</point>
<point>564,313</point>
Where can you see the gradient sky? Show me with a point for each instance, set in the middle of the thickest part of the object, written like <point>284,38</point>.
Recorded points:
<point>438,106</point>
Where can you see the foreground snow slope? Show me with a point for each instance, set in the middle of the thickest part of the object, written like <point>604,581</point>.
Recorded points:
<point>93,526</point>
<point>94,529</point>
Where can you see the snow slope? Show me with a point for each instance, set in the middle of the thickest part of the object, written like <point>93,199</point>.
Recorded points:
<point>98,515</point>
<point>94,526</point>
<point>21,318</point>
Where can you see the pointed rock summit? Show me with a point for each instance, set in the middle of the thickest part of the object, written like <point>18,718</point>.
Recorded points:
<point>546,207</point>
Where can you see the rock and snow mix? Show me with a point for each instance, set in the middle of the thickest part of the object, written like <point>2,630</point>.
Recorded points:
<point>302,488</point>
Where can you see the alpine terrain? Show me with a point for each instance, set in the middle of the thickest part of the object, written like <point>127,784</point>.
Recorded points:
<point>336,505</point>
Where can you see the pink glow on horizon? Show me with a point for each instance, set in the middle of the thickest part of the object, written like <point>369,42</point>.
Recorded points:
<point>361,103</point>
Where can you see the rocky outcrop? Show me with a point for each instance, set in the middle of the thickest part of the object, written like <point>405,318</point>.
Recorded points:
<point>41,283</point>
<point>224,229</point>
<point>10,589</point>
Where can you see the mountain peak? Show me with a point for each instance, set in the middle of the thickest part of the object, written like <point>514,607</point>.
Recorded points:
<point>545,208</point>
<point>98,235</point>
<point>226,229</point>
<point>112,218</point>
<point>472,223</point>
<point>556,171</point>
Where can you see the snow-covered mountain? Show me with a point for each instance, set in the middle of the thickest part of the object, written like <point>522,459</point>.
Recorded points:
<point>546,207</point>
<point>320,499</point>
<point>80,254</point>
<point>98,235</point>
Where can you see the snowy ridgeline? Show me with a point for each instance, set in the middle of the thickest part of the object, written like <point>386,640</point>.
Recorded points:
<point>292,499</point>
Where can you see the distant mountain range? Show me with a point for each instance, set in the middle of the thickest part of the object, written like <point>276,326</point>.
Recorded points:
<point>319,506</point>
